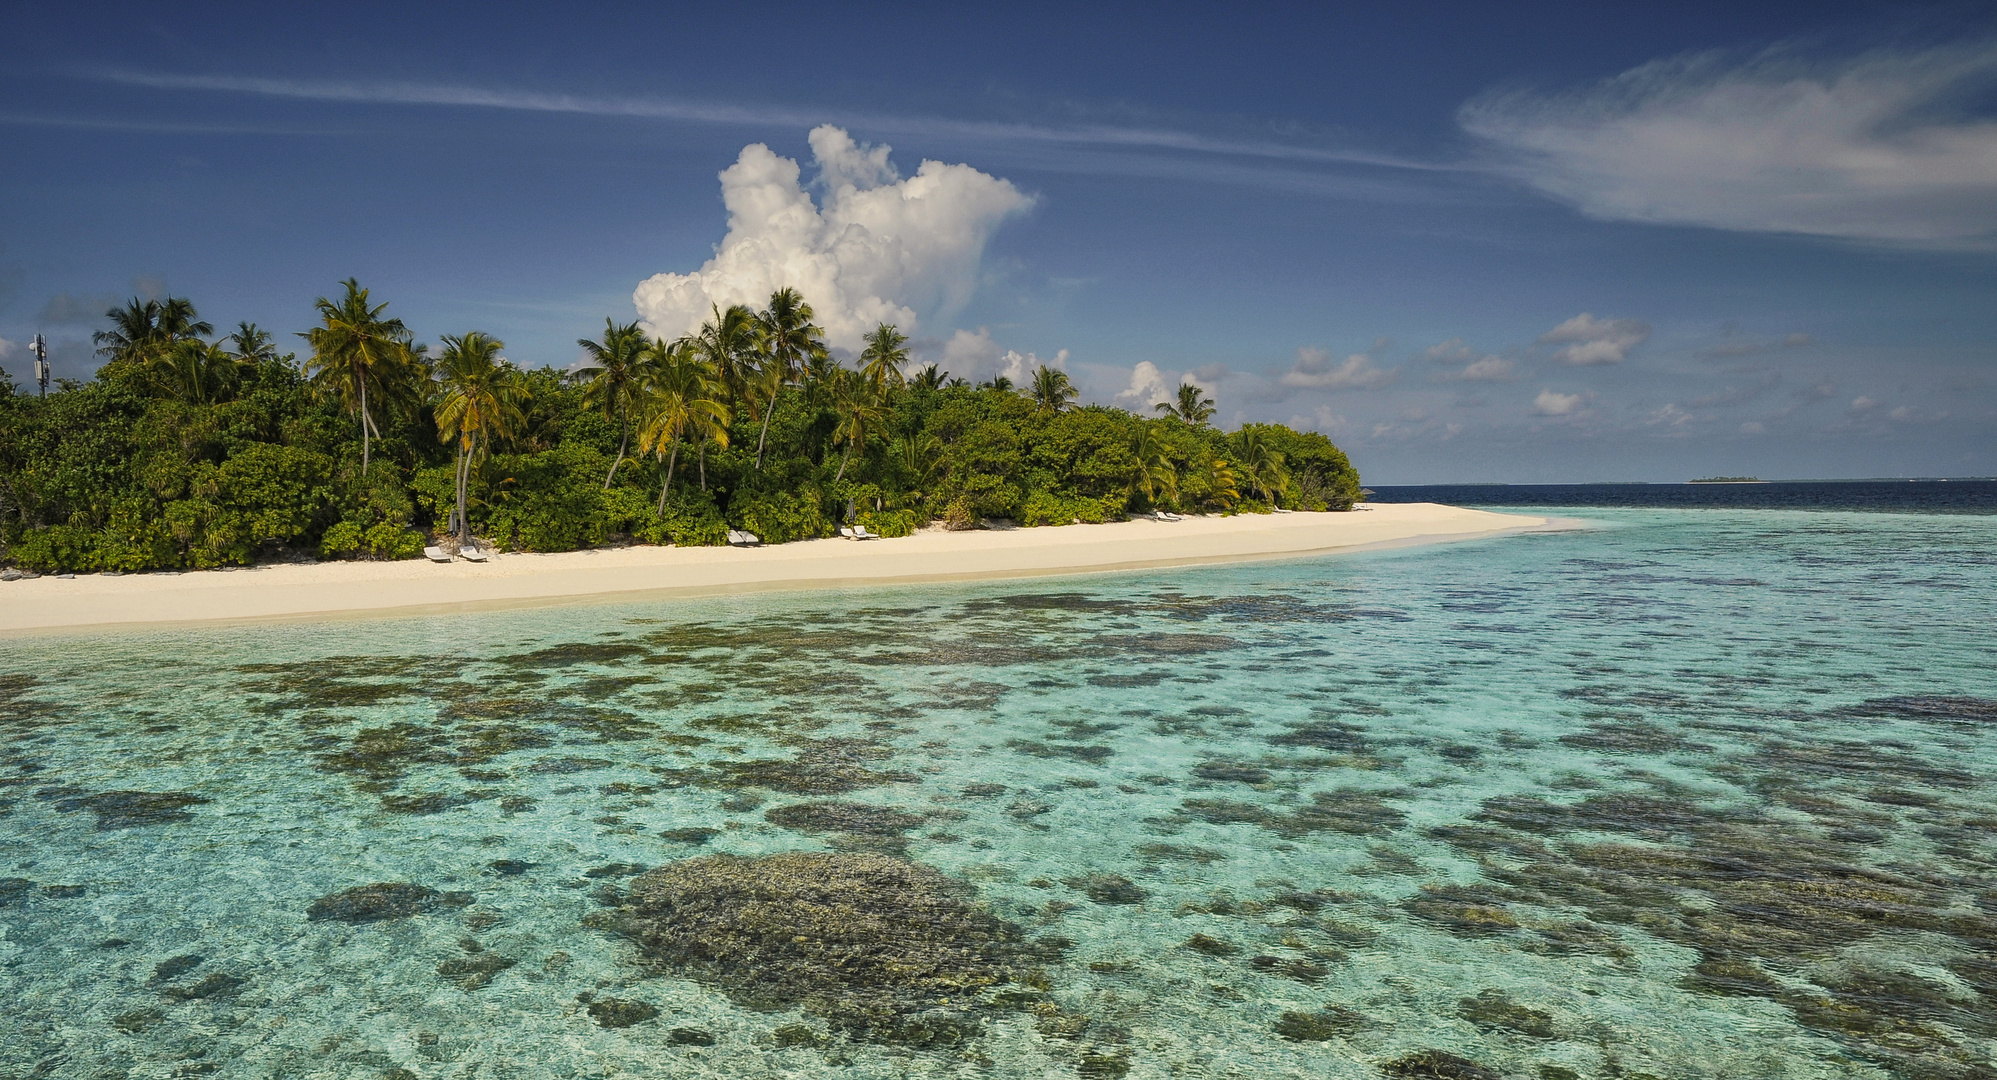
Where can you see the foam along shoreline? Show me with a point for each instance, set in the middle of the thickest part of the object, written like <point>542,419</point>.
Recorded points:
<point>418,586</point>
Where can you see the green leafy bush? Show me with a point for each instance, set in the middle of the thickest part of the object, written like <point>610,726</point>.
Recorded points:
<point>780,517</point>
<point>1047,508</point>
<point>691,520</point>
<point>56,549</point>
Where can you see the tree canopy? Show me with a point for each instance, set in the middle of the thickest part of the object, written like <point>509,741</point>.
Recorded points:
<point>188,450</point>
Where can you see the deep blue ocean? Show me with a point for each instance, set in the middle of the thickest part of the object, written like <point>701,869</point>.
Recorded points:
<point>1702,785</point>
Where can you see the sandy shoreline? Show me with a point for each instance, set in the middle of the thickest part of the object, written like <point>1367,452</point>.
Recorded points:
<point>346,589</point>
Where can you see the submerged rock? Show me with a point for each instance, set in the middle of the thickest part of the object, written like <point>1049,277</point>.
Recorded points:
<point>137,1020</point>
<point>219,984</point>
<point>1493,1010</point>
<point>619,1013</point>
<point>857,819</point>
<point>173,968</point>
<point>1437,1065</point>
<point>132,809</point>
<point>381,901</point>
<point>1329,1022</point>
<point>881,948</point>
<point>475,971</point>
<point>1109,889</point>
<point>683,1036</point>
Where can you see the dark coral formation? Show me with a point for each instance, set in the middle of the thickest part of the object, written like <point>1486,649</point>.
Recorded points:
<point>1762,900</point>
<point>1330,1022</point>
<point>381,901</point>
<point>1437,1065</point>
<point>132,809</point>
<point>619,1013</point>
<point>881,948</point>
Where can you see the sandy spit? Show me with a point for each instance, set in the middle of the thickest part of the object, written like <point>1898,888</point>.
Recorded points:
<point>350,589</point>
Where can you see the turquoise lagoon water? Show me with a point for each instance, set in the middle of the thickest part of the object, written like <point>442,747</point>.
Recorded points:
<point>1684,793</point>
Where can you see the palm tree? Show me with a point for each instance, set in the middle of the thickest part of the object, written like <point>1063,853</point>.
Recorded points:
<point>1193,406</point>
<point>881,361</point>
<point>1155,474</point>
<point>356,349</point>
<point>728,345</point>
<point>1052,389</point>
<point>921,455</point>
<point>481,399</point>
<point>790,340</point>
<point>143,329</point>
<point>253,344</point>
<point>860,414</point>
<point>930,377</point>
<point>194,371</point>
<point>1220,480</point>
<point>616,368</point>
<point>1262,466</point>
<point>679,396</point>
<point>998,382</point>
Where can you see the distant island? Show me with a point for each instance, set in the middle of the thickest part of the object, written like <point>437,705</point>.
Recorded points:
<point>1728,480</point>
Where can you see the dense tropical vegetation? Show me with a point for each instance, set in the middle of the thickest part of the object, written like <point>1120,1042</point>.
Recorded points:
<point>188,450</point>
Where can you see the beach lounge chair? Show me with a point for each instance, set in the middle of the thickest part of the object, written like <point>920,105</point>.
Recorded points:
<point>1163,516</point>
<point>846,532</point>
<point>436,554</point>
<point>860,533</point>
<point>738,538</point>
<point>470,553</point>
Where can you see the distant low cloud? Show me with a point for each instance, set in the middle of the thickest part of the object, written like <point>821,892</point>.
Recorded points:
<point>1729,349</point>
<point>1873,147</point>
<point>975,356</point>
<point>77,309</point>
<point>1315,369</point>
<point>1477,367</point>
<point>1588,340</point>
<point>876,248</point>
<point>1554,403</point>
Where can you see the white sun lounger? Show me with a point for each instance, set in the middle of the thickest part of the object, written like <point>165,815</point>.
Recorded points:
<point>738,538</point>
<point>860,533</point>
<point>436,554</point>
<point>846,532</point>
<point>471,554</point>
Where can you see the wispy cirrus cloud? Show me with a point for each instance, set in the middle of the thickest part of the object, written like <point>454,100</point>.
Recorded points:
<point>461,95</point>
<point>1876,147</point>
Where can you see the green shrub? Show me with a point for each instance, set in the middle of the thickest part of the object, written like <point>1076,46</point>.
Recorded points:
<point>57,549</point>
<point>691,520</point>
<point>350,540</point>
<point>1047,508</point>
<point>780,517</point>
<point>890,522</point>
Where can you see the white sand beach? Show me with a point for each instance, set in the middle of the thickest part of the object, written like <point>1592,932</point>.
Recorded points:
<point>346,589</point>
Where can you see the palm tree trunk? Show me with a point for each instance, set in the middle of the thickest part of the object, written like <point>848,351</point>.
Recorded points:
<point>625,426</point>
<point>703,464</point>
<point>464,471</point>
<point>364,425</point>
<point>760,439</point>
<point>843,461</point>
<point>667,486</point>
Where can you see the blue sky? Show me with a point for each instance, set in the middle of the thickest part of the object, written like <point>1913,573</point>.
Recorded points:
<point>1468,242</point>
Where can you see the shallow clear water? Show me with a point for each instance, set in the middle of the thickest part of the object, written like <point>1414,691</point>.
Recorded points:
<point>1688,793</point>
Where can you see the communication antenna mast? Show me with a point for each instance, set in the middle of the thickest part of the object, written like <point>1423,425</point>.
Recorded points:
<point>41,351</point>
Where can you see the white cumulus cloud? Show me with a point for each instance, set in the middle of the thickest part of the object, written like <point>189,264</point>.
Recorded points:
<point>1315,369</point>
<point>1554,403</point>
<point>1588,340</point>
<point>875,248</point>
<point>1872,147</point>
